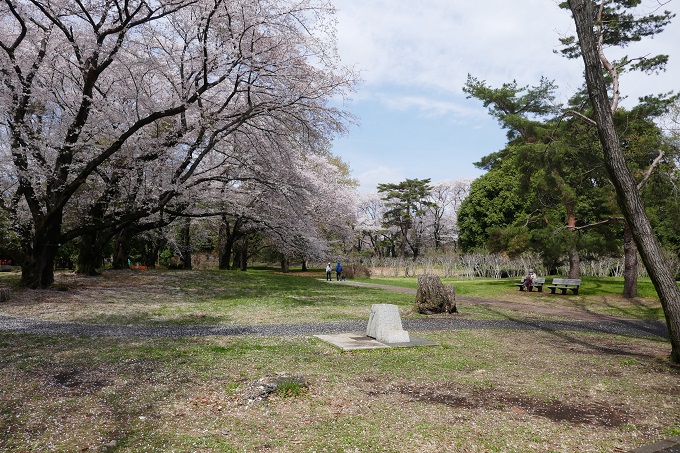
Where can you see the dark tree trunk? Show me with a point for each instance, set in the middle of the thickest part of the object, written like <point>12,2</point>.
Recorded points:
<point>630,264</point>
<point>121,252</point>
<point>186,243</point>
<point>228,238</point>
<point>151,250</point>
<point>243,254</point>
<point>37,271</point>
<point>285,264</point>
<point>89,255</point>
<point>304,265</point>
<point>627,193</point>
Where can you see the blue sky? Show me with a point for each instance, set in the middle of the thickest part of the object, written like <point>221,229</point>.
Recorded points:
<point>414,58</point>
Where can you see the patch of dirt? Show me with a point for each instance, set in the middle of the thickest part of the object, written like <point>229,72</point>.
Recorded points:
<point>581,413</point>
<point>78,381</point>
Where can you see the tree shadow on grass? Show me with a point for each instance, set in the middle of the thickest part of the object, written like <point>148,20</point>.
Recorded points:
<point>624,327</point>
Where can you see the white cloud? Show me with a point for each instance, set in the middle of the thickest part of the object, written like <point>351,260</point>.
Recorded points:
<point>415,58</point>
<point>438,42</point>
<point>431,45</point>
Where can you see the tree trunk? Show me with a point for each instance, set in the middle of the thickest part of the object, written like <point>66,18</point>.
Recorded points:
<point>627,193</point>
<point>152,249</point>
<point>574,263</point>
<point>37,271</point>
<point>285,264</point>
<point>404,241</point>
<point>186,243</point>
<point>228,237</point>
<point>630,264</point>
<point>121,253</point>
<point>434,297</point>
<point>243,254</point>
<point>574,257</point>
<point>89,255</point>
<point>304,265</point>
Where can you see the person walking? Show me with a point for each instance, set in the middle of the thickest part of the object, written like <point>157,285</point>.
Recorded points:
<point>338,271</point>
<point>328,272</point>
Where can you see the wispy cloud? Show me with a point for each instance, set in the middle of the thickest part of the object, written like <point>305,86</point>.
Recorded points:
<point>456,108</point>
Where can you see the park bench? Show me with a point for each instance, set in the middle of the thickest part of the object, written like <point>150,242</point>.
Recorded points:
<point>538,282</point>
<point>4,293</point>
<point>564,284</point>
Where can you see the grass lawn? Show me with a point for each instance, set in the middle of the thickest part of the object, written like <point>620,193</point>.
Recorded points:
<point>596,294</point>
<point>491,390</point>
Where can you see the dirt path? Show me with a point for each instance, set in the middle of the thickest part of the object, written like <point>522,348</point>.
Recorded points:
<point>572,313</point>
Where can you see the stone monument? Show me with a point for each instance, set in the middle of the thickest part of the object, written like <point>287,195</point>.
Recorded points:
<point>384,324</point>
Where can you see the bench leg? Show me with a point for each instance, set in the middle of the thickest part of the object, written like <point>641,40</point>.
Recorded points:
<point>552,290</point>
<point>540,289</point>
<point>564,291</point>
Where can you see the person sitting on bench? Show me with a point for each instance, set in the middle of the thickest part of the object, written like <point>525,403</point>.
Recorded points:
<point>529,279</point>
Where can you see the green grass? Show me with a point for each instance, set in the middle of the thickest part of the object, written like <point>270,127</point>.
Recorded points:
<point>490,287</point>
<point>262,296</point>
<point>205,298</point>
<point>487,390</point>
<point>185,394</point>
<point>596,294</point>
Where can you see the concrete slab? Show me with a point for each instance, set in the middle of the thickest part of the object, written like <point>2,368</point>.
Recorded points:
<point>358,341</point>
<point>671,445</point>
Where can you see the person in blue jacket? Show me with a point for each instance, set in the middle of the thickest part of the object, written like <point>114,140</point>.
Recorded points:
<point>338,271</point>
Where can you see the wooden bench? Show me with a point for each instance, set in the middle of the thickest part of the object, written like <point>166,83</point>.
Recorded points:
<point>4,293</point>
<point>538,282</point>
<point>564,284</point>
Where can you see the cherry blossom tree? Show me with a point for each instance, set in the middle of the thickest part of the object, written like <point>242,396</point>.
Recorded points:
<point>441,216</point>
<point>299,202</point>
<point>369,231</point>
<point>111,110</point>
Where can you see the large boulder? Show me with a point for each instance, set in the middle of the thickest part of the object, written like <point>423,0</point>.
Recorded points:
<point>434,297</point>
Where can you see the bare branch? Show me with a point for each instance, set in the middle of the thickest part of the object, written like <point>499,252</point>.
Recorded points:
<point>581,116</point>
<point>613,72</point>
<point>651,168</point>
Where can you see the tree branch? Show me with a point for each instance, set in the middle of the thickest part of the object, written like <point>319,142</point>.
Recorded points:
<point>651,168</point>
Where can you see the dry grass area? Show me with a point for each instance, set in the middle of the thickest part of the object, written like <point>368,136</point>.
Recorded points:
<point>479,391</point>
<point>121,293</point>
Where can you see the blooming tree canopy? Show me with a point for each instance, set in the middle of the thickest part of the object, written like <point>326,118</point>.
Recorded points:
<point>113,112</point>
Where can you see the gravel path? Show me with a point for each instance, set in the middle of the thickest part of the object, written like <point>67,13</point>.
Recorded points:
<point>32,326</point>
